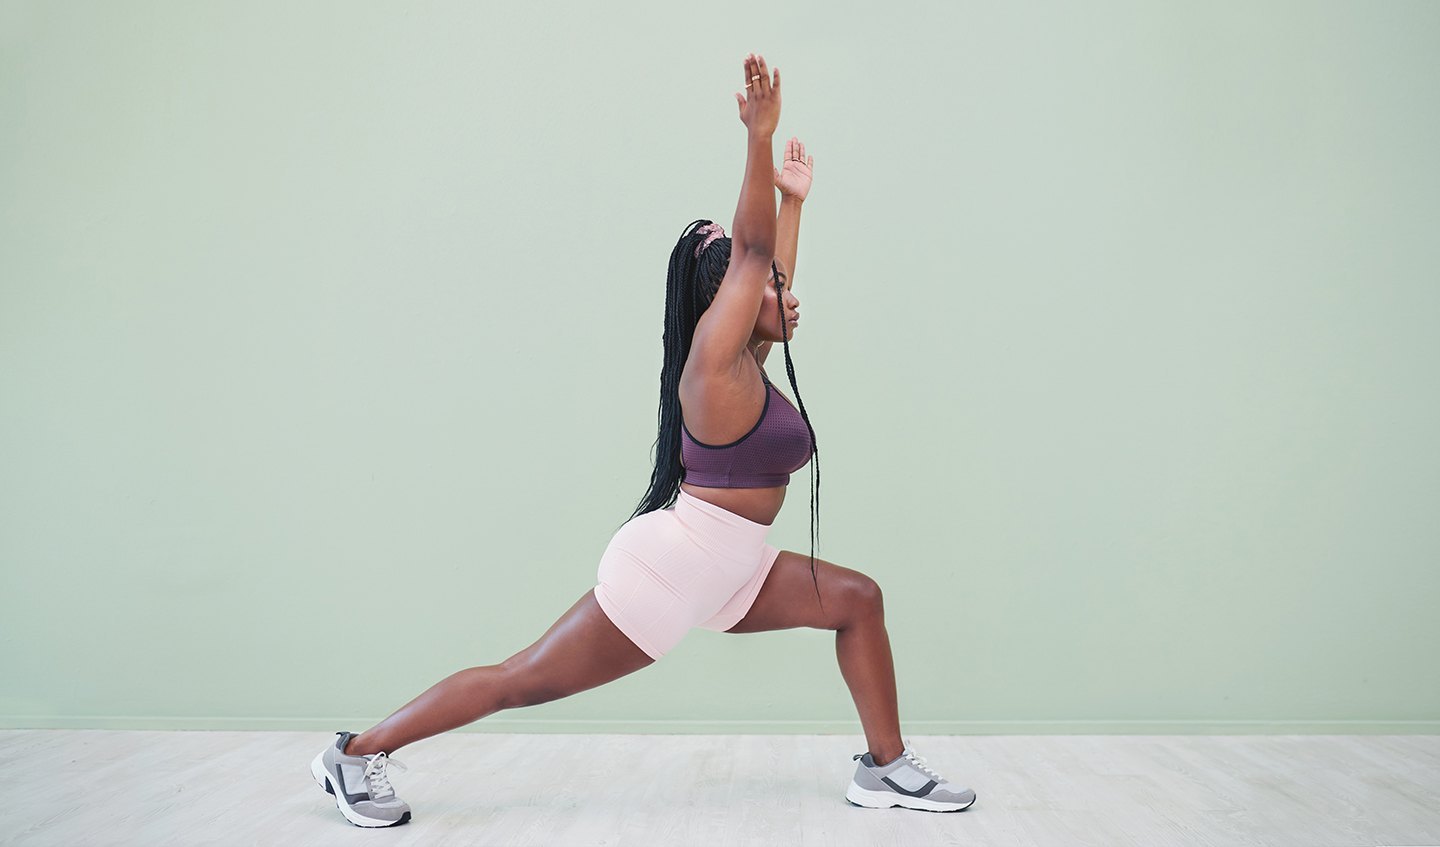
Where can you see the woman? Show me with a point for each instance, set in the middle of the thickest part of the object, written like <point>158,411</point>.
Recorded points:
<point>694,553</point>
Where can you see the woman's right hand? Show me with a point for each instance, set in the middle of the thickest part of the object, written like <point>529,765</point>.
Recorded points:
<point>760,110</point>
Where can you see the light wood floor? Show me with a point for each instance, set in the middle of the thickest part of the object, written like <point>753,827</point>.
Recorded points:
<point>78,788</point>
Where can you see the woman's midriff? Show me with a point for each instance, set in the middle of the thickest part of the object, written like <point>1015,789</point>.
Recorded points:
<point>760,505</point>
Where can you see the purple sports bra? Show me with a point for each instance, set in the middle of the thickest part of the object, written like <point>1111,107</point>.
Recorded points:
<point>775,447</point>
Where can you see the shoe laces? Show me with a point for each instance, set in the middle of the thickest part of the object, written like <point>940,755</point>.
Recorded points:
<point>375,772</point>
<point>919,762</point>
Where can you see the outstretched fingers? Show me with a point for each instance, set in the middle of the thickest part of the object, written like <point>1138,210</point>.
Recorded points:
<point>768,81</point>
<point>750,68</point>
<point>759,102</point>
<point>795,149</point>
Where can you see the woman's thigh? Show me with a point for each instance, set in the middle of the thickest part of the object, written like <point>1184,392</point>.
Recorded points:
<point>582,650</point>
<point>788,599</point>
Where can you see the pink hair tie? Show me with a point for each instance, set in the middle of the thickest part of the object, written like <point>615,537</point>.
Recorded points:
<point>715,230</point>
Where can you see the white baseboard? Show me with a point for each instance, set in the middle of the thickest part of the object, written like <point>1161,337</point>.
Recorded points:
<point>743,727</point>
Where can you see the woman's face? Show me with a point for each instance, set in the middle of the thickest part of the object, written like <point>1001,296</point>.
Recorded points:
<point>768,322</point>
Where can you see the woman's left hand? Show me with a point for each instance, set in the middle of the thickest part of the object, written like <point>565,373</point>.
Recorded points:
<point>794,179</point>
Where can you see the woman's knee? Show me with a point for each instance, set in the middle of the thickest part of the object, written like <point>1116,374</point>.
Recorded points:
<point>526,685</point>
<point>864,597</point>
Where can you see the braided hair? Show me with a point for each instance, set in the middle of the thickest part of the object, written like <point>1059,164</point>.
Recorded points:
<point>690,286</point>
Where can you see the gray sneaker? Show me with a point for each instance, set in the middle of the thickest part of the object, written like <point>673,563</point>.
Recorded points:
<point>905,782</point>
<point>361,788</point>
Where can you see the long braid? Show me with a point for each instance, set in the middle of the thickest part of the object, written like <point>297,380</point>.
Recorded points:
<point>690,284</point>
<point>814,447</point>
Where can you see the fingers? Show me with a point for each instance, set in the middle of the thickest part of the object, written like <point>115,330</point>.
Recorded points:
<point>760,81</point>
<point>740,98</point>
<point>752,69</point>
<point>795,150</point>
<point>755,67</point>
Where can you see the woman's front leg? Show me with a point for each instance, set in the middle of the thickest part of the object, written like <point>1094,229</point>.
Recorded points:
<point>854,608</point>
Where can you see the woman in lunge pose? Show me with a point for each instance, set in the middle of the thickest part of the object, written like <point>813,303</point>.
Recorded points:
<point>694,553</point>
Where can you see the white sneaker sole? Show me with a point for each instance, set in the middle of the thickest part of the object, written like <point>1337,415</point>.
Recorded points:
<point>888,799</point>
<point>317,770</point>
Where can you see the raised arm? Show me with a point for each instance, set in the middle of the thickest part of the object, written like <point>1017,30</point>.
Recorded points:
<point>794,184</point>
<point>725,328</point>
<point>754,227</point>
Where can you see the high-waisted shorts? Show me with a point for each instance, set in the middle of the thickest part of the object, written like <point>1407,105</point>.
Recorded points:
<point>692,564</point>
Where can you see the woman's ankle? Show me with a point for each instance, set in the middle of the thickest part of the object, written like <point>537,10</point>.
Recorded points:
<point>356,747</point>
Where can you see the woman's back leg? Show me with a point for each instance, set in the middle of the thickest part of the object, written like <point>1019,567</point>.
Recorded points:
<point>583,649</point>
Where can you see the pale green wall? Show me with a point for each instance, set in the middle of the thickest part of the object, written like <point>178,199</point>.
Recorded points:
<point>330,342</point>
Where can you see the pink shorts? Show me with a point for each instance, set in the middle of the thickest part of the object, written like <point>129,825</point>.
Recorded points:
<point>692,564</point>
